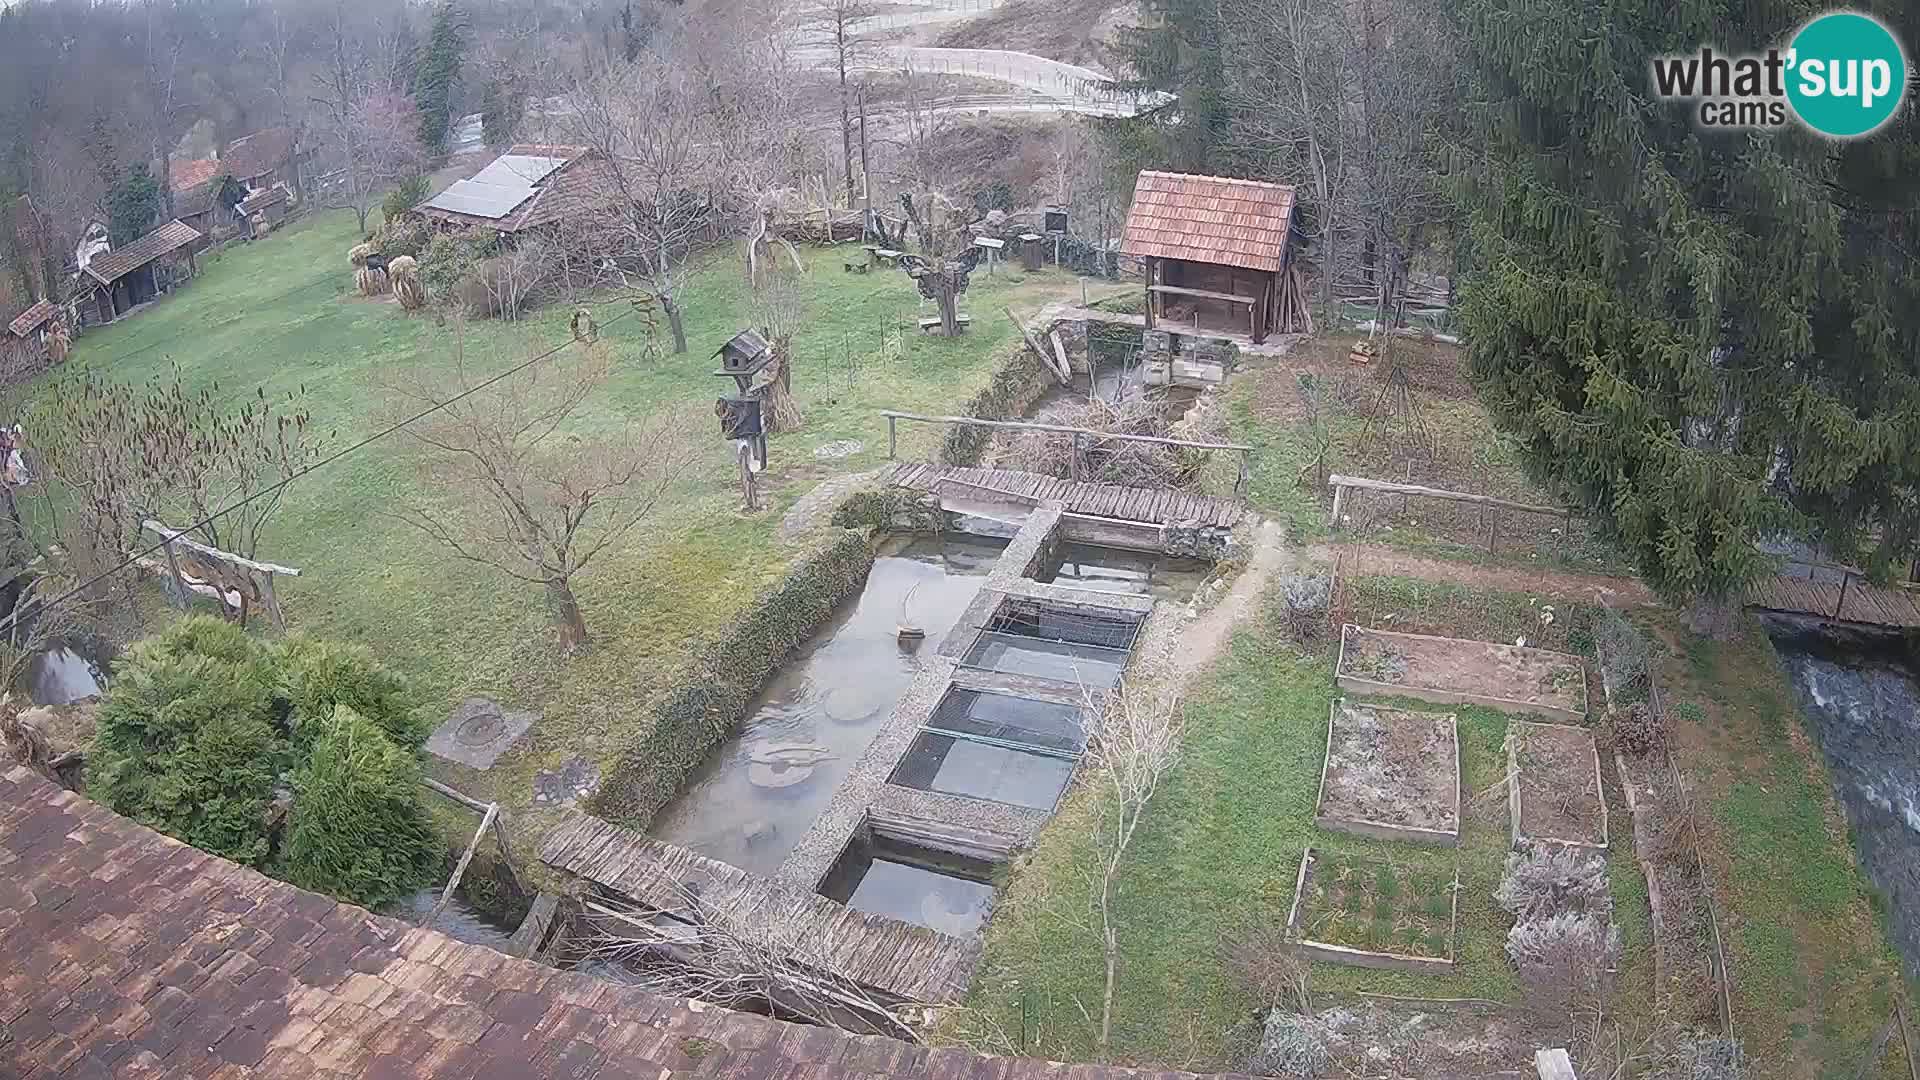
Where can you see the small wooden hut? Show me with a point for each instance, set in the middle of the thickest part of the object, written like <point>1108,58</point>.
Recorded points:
<point>1217,251</point>
<point>124,278</point>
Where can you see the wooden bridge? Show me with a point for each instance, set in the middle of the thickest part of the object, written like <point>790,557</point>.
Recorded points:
<point>1843,601</point>
<point>911,963</point>
<point>1155,506</point>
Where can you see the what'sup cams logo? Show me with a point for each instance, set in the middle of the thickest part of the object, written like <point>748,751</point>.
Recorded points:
<point>1843,75</point>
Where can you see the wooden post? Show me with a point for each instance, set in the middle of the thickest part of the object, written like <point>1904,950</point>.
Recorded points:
<point>273,603</point>
<point>1339,499</point>
<point>745,453</point>
<point>460,868</point>
<point>1073,461</point>
<point>893,436</point>
<point>179,583</point>
<point>1493,526</point>
<point>1845,577</point>
<point>1241,486</point>
<point>1151,263</point>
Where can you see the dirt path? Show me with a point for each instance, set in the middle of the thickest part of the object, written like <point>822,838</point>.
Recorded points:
<point>1174,649</point>
<point>1374,560</point>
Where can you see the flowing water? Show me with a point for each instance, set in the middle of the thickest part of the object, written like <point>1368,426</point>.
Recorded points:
<point>749,803</point>
<point>461,921</point>
<point>1862,693</point>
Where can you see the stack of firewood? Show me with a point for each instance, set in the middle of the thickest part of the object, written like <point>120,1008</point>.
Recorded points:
<point>1291,314</point>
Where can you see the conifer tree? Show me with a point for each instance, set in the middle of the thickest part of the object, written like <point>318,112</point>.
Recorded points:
<point>438,72</point>
<point>1702,338</point>
<point>1176,50</point>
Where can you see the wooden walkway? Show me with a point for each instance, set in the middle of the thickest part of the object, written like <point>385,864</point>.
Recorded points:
<point>1869,604</point>
<point>909,962</point>
<point>1156,506</point>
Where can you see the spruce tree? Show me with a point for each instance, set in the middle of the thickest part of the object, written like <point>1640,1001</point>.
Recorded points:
<point>438,72</point>
<point>1177,50</point>
<point>1701,338</point>
<point>132,205</point>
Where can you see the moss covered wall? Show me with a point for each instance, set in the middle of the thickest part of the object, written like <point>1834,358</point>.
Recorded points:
<point>1014,387</point>
<point>690,720</point>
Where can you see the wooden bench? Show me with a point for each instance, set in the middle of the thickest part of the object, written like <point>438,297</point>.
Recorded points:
<point>932,322</point>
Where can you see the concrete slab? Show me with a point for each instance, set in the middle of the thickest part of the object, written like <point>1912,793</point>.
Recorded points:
<point>478,732</point>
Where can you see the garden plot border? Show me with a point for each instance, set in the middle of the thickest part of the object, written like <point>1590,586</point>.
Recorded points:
<point>1366,958</point>
<point>1386,830</point>
<point>1361,685</point>
<point>1517,727</point>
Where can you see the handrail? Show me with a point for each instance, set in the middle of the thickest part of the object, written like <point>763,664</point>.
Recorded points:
<point>1028,425</point>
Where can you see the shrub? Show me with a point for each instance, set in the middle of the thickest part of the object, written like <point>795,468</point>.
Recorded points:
<point>358,831</point>
<point>407,236</point>
<point>1548,879</point>
<point>1303,607</point>
<point>1291,1045</point>
<point>1636,728</point>
<point>317,676</point>
<point>1566,959</point>
<point>405,195</point>
<point>187,742</point>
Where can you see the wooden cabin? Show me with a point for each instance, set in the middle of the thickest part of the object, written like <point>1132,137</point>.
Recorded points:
<point>124,278</point>
<point>1217,252</point>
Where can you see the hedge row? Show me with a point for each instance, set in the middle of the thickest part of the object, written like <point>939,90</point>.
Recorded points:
<point>706,708</point>
<point>1012,390</point>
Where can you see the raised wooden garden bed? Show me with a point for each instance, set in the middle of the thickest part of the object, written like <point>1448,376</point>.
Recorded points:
<point>1391,774</point>
<point>1455,671</point>
<point>1371,913</point>
<point>1555,794</point>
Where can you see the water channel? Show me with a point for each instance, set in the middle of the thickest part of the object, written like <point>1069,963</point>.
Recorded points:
<point>1861,693</point>
<point>755,795</point>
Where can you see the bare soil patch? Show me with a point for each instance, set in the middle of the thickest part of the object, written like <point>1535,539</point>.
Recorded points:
<point>1391,774</point>
<point>1556,785</point>
<point>1454,671</point>
<point>1370,912</point>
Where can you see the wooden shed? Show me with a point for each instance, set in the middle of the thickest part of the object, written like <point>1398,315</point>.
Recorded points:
<point>1215,250</point>
<point>124,278</point>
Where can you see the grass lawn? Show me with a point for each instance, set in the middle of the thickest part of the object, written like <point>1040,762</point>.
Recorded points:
<point>1216,858</point>
<point>1437,434</point>
<point>280,313</point>
<point>1813,974</point>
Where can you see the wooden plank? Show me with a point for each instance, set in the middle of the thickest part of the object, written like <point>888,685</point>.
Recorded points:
<point>1337,480</point>
<point>182,539</point>
<point>1026,425</point>
<point>1204,294</point>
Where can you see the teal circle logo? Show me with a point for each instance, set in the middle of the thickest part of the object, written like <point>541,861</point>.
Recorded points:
<point>1846,74</point>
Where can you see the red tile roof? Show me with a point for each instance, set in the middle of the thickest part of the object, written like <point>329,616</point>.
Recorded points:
<point>31,319</point>
<point>124,953</point>
<point>1209,219</point>
<point>118,263</point>
<point>261,152</point>
<point>192,172</point>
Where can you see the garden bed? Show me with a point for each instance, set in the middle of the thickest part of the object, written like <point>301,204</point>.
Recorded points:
<point>1555,793</point>
<point>1454,671</point>
<point>1371,913</point>
<point>1391,774</point>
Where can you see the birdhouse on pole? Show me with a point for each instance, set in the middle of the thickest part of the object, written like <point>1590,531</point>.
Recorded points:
<point>743,356</point>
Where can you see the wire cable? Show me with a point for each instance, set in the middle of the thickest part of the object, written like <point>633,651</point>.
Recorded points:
<point>130,560</point>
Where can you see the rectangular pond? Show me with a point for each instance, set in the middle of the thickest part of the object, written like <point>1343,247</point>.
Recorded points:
<point>997,747</point>
<point>1117,570</point>
<point>749,803</point>
<point>937,890</point>
<point>1047,641</point>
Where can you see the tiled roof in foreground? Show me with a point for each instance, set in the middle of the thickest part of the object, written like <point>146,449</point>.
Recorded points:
<point>126,954</point>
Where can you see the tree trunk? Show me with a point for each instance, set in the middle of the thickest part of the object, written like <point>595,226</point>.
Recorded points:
<point>566,615</point>
<point>674,321</point>
<point>1713,617</point>
<point>949,307</point>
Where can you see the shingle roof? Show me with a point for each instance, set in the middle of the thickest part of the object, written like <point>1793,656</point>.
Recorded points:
<point>32,318</point>
<point>124,953</point>
<point>1209,219</point>
<point>260,200</point>
<point>580,181</point>
<point>263,151</point>
<point>111,266</point>
<point>192,172</point>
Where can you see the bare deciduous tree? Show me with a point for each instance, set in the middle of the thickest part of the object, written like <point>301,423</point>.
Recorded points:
<point>539,501</point>
<point>366,117</point>
<point>1135,743</point>
<point>836,29</point>
<point>1344,99</point>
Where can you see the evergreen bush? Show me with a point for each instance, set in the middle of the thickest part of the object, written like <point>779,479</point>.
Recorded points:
<point>358,831</point>
<point>316,676</point>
